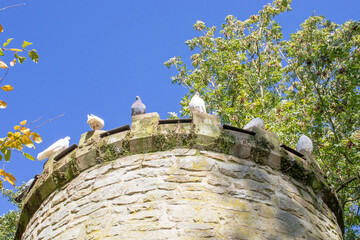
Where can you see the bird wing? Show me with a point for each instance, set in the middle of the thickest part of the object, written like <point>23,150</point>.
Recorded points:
<point>52,149</point>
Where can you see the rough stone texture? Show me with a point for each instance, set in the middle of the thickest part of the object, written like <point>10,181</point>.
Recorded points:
<point>182,194</point>
<point>181,181</point>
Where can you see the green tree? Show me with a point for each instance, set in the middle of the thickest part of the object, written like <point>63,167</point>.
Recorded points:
<point>22,136</point>
<point>8,221</point>
<point>308,84</point>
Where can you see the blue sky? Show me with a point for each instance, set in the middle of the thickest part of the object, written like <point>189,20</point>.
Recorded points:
<point>96,56</point>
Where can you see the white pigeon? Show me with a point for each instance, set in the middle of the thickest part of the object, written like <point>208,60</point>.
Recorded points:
<point>27,188</point>
<point>197,104</point>
<point>255,122</point>
<point>95,122</point>
<point>305,144</point>
<point>56,147</point>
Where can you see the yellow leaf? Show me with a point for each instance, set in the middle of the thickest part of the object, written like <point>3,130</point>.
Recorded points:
<point>18,145</point>
<point>9,180</point>
<point>17,127</point>
<point>7,88</point>
<point>3,104</point>
<point>10,134</point>
<point>3,65</point>
<point>1,28</point>
<point>26,140</point>
<point>15,50</point>
<point>2,172</point>
<point>23,122</point>
<point>12,63</point>
<point>26,131</point>
<point>36,138</point>
<point>10,176</point>
<point>17,134</point>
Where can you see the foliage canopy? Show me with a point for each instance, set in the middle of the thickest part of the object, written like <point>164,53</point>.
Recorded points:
<point>308,84</point>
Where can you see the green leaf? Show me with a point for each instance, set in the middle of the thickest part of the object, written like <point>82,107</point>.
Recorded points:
<point>7,42</point>
<point>7,154</point>
<point>25,44</point>
<point>34,56</point>
<point>1,157</point>
<point>29,156</point>
<point>1,52</point>
<point>20,59</point>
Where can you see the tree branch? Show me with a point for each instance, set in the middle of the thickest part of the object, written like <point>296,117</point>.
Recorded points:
<point>15,5</point>
<point>46,121</point>
<point>346,183</point>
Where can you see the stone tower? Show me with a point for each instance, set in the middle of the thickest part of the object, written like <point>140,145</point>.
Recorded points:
<point>180,179</point>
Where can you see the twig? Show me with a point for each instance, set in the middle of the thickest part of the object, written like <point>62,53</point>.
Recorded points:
<point>4,75</point>
<point>16,5</point>
<point>47,121</point>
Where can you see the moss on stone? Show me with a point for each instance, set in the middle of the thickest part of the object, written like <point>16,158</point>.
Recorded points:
<point>225,142</point>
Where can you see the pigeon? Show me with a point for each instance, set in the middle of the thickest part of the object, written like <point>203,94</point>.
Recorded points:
<point>196,104</point>
<point>138,107</point>
<point>305,144</point>
<point>95,122</point>
<point>255,122</point>
<point>56,147</point>
<point>27,188</point>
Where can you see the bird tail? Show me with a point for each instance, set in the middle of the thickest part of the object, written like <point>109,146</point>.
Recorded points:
<point>19,198</point>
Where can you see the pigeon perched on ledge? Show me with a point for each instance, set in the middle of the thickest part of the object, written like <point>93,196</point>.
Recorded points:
<point>138,107</point>
<point>95,122</point>
<point>56,147</point>
<point>304,144</point>
<point>196,104</point>
<point>27,188</point>
<point>255,122</point>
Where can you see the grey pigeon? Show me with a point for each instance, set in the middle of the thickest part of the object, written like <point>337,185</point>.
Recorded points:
<point>255,122</point>
<point>27,188</point>
<point>138,107</point>
<point>196,104</point>
<point>305,144</point>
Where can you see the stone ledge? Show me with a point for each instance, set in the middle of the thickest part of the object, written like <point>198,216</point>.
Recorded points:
<point>204,134</point>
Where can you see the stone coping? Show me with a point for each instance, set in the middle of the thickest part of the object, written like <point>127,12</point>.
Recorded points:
<point>203,133</point>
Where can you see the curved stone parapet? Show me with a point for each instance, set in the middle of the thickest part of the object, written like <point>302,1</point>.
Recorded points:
<point>181,180</point>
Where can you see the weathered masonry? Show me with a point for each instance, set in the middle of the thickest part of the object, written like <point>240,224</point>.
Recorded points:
<point>180,179</point>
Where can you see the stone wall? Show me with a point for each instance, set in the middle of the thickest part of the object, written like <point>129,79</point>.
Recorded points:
<point>183,193</point>
<point>181,181</point>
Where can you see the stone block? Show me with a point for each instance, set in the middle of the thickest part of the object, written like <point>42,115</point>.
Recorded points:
<point>196,163</point>
<point>144,125</point>
<point>90,137</point>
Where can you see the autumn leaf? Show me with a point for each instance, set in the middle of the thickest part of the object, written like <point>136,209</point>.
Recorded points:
<point>17,127</point>
<point>3,65</point>
<point>1,28</point>
<point>7,42</point>
<point>7,88</point>
<point>36,138</point>
<point>12,63</point>
<point>3,104</point>
<point>17,134</point>
<point>25,130</point>
<point>23,122</point>
<point>25,44</point>
<point>27,141</point>
<point>15,50</point>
